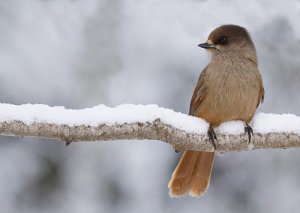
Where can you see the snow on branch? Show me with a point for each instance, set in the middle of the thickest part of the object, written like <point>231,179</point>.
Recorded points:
<point>142,122</point>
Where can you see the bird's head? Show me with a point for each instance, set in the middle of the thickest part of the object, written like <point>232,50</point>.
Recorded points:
<point>230,38</point>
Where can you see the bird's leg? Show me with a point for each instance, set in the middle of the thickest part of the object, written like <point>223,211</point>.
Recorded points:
<point>212,136</point>
<point>249,131</point>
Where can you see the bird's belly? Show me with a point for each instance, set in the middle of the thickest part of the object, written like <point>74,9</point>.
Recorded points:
<point>226,102</point>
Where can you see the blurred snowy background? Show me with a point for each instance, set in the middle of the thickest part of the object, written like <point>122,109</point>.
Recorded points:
<point>80,53</point>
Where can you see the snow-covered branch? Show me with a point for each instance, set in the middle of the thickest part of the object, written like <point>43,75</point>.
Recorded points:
<point>141,122</point>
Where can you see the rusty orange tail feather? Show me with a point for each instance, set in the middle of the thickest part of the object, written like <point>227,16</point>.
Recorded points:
<point>192,174</point>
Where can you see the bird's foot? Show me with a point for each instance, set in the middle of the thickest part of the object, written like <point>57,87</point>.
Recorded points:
<point>68,141</point>
<point>249,131</point>
<point>212,136</point>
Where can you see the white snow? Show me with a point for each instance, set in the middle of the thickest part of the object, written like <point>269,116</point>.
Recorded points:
<point>101,114</point>
<point>266,123</point>
<point>129,113</point>
<point>231,127</point>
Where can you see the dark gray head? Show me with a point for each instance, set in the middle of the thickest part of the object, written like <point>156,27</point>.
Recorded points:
<point>230,38</point>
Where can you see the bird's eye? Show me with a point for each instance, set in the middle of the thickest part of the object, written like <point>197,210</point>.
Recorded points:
<point>223,40</point>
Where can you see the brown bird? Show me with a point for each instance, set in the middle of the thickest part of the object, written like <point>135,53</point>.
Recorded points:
<point>229,88</point>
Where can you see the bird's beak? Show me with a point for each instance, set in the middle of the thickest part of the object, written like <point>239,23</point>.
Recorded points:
<point>206,45</point>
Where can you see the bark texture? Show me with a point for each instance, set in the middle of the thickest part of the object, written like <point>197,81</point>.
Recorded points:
<point>156,130</point>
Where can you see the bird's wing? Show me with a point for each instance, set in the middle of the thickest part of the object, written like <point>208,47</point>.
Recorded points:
<point>199,93</point>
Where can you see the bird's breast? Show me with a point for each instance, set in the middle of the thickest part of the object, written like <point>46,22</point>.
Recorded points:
<point>232,90</point>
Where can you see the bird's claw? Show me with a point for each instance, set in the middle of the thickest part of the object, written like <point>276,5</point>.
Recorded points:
<point>249,131</point>
<point>212,136</point>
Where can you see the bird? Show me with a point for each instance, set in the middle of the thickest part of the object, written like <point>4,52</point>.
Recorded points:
<point>229,88</point>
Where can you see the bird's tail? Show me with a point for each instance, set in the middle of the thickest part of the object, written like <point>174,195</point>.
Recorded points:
<point>192,174</point>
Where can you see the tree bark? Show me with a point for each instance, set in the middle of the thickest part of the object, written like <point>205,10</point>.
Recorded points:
<point>155,130</point>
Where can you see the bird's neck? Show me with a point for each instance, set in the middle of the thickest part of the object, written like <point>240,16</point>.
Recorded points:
<point>249,54</point>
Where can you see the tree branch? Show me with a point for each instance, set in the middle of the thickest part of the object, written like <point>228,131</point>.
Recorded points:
<point>156,130</point>
<point>148,122</point>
